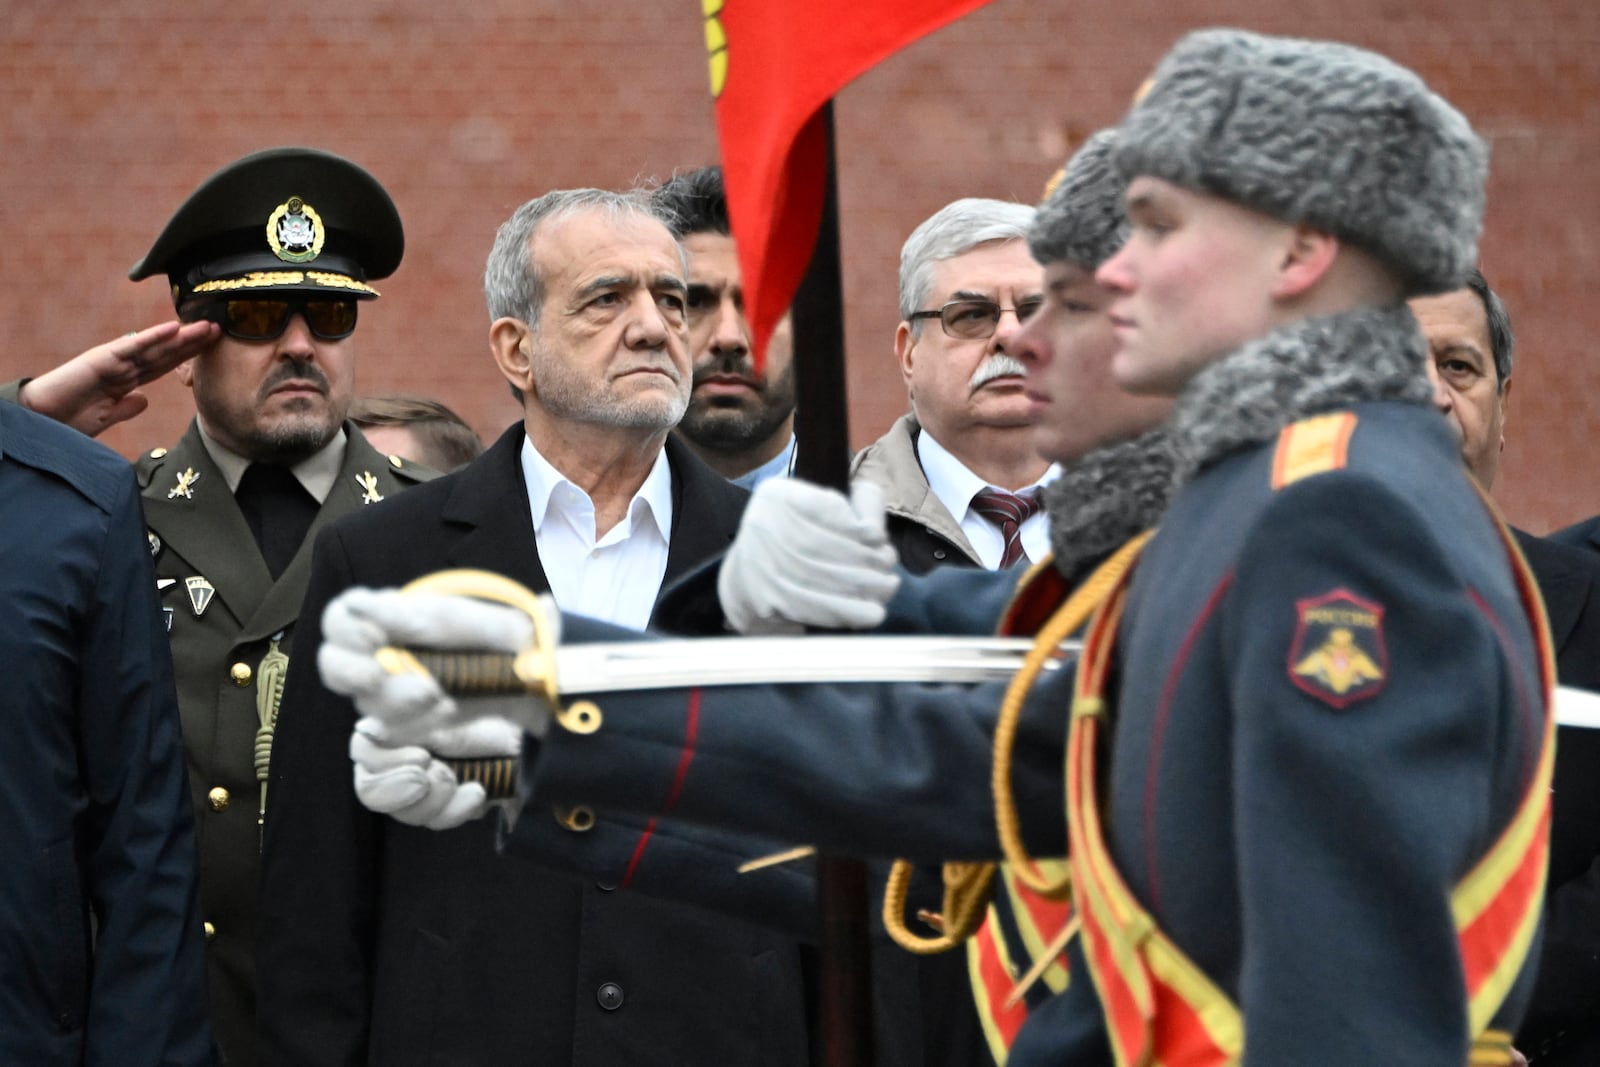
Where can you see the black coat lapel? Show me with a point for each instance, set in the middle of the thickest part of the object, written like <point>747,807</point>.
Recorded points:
<point>490,502</point>
<point>705,512</point>
<point>1564,586</point>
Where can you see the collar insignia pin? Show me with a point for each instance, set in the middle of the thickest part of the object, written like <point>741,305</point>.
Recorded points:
<point>200,594</point>
<point>185,486</point>
<point>369,485</point>
<point>155,542</point>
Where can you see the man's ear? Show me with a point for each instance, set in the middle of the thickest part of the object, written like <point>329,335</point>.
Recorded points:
<point>904,344</point>
<point>184,372</point>
<point>1308,254</point>
<point>511,342</point>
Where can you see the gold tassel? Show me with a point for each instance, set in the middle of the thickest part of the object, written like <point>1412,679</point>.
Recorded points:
<point>274,667</point>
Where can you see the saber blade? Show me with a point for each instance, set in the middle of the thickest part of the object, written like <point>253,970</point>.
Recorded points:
<point>784,660</point>
<point>627,666</point>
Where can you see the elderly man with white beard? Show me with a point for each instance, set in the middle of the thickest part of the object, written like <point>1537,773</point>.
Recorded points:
<point>960,473</point>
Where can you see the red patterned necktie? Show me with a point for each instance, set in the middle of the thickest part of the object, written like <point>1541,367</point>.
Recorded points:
<point>1008,511</point>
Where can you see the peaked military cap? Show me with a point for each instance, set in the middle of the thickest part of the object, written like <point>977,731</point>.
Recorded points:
<point>283,219</point>
<point>1330,135</point>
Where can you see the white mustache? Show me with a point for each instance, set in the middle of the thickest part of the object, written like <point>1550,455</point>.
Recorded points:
<point>998,365</point>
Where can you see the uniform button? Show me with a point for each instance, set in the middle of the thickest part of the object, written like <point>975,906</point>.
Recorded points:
<point>211,932</point>
<point>609,995</point>
<point>240,673</point>
<point>157,453</point>
<point>396,462</point>
<point>578,820</point>
<point>938,553</point>
<point>218,799</point>
<point>605,887</point>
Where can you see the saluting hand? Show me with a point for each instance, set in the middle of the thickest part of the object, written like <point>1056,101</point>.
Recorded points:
<point>100,387</point>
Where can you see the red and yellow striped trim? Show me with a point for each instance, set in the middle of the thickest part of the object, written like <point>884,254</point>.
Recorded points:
<point>1312,446</point>
<point>1160,1008</point>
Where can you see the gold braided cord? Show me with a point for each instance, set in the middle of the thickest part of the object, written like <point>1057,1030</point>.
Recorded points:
<point>1067,620</point>
<point>270,675</point>
<point>967,886</point>
<point>966,897</point>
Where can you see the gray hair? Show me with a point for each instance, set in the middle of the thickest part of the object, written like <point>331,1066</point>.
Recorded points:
<point>1501,341</point>
<point>512,286</point>
<point>953,229</point>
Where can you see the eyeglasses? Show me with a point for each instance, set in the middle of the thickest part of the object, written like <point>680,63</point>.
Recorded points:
<point>974,320</point>
<point>265,320</point>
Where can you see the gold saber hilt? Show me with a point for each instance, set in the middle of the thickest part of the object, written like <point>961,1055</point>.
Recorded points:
<point>497,774</point>
<point>476,673</point>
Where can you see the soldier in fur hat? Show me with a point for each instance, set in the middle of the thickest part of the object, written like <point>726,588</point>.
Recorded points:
<point>1321,832</point>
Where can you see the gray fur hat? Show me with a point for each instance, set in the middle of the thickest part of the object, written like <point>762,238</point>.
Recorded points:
<point>1325,134</point>
<point>1081,218</point>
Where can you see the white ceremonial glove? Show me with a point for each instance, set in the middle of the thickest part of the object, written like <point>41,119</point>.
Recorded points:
<point>358,622</point>
<point>808,556</point>
<point>410,782</point>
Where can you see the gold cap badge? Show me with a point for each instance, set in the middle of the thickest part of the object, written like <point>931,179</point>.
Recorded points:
<point>295,232</point>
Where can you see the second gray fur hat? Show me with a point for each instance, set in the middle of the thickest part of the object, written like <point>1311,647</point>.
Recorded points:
<point>1082,217</point>
<point>1315,132</point>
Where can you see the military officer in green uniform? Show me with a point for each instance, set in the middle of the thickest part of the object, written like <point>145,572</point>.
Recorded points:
<point>279,250</point>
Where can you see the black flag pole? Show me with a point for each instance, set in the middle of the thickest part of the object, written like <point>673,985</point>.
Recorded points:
<point>823,456</point>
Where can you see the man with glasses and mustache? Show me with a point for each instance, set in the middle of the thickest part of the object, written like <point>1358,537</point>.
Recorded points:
<point>960,473</point>
<point>268,263</point>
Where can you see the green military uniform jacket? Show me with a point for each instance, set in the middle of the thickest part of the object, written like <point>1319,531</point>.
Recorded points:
<point>231,625</point>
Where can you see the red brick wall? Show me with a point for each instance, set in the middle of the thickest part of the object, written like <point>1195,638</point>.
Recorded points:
<point>116,110</point>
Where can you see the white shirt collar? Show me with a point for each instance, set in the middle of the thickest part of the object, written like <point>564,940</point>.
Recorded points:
<point>549,489</point>
<point>953,482</point>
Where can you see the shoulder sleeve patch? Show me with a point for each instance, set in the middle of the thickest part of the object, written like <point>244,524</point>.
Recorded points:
<point>1338,653</point>
<point>1312,446</point>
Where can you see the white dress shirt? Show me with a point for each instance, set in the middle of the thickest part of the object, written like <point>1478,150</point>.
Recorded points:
<point>617,578</point>
<point>955,486</point>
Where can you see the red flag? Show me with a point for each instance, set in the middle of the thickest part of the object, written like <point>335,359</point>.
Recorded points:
<point>774,63</point>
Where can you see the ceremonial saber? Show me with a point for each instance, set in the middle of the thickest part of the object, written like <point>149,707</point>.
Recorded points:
<point>633,666</point>
<point>1577,708</point>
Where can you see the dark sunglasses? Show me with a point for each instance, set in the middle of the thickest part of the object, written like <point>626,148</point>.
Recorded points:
<point>972,320</point>
<point>265,320</point>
